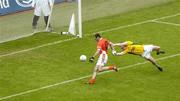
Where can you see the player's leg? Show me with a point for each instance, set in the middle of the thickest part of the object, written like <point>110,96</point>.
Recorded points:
<point>147,55</point>
<point>112,67</point>
<point>46,20</point>
<point>95,71</point>
<point>157,49</point>
<point>104,60</point>
<point>152,60</point>
<point>35,20</point>
<point>37,14</point>
<point>47,13</point>
<point>99,64</point>
<point>99,68</point>
<point>93,78</point>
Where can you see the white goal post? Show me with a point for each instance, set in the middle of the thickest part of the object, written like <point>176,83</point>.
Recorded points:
<point>80,18</point>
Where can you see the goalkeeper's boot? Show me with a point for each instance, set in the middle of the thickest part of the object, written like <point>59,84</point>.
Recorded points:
<point>160,52</point>
<point>160,69</point>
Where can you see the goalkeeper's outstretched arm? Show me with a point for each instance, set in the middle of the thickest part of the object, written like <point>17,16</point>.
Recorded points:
<point>121,44</point>
<point>112,47</point>
<point>126,43</point>
<point>119,54</point>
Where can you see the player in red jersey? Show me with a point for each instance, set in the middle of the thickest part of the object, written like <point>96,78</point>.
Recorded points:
<point>102,51</point>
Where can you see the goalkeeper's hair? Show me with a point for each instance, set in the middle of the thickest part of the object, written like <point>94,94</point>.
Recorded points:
<point>97,35</point>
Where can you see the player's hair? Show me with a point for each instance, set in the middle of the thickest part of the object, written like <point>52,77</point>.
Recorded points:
<point>97,35</point>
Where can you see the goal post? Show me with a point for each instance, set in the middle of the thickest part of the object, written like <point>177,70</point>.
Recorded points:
<point>80,18</point>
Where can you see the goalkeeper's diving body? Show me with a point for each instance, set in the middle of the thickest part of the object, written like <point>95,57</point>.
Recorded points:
<point>141,50</point>
<point>42,7</point>
<point>102,49</point>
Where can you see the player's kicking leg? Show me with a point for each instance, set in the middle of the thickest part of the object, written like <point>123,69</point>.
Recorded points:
<point>99,68</point>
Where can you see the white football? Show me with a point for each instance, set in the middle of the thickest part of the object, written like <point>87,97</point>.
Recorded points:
<point>83,58</point>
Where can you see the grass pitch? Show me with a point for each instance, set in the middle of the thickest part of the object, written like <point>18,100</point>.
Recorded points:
<point>24,73</point>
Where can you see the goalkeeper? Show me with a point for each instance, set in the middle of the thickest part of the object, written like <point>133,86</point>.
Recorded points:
<point>141,50</point>
<point>42,7</point>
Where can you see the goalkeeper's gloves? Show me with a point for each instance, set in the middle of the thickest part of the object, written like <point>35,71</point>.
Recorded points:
<point>91,59</point>
<point>113,52</point>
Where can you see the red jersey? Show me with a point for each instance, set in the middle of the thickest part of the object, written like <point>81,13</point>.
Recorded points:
<point>103,45</point>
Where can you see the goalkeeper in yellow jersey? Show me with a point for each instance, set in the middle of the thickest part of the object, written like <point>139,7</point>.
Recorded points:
<point>141,50</point>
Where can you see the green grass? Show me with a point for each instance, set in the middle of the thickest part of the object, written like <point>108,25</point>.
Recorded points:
<point>60,62</point>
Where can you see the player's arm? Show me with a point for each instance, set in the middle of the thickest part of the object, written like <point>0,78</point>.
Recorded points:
<point>50,3</point>
<point>111,45</point>
<point>117,44</point>
<point>126,43</point>
<point>120,54</point>
<point>95,54</point>
<point>33,4</point>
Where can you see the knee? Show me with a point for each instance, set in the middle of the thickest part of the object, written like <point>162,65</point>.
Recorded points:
<point>156,48</point>
<point>99,69</point>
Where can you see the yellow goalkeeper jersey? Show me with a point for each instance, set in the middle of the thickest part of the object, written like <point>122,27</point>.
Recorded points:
<point>134,49</point>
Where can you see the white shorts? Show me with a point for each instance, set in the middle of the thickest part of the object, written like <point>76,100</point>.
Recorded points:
<point>42,10</point>
<point>147,51</point>
<point>102,60</point>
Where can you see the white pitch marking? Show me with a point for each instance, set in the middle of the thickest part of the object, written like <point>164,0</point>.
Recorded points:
<point>167,23</point>
<point>44,45</point>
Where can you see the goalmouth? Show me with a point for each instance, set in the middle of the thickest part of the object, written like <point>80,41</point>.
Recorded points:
<point>72,22</point>
<point>19,25</point>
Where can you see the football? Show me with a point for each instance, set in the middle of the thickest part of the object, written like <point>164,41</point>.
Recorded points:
<point>83,58</point>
